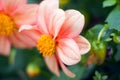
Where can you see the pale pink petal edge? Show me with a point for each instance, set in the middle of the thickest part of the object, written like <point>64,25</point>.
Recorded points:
<point>83,43</point>
<point>52,65</point>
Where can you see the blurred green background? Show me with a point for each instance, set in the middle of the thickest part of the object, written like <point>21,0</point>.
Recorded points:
<point>29,65</point>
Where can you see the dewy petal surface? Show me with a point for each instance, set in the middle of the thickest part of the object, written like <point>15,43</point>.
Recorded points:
<point>4,46</point>
<point>84,45</point>
<point>73,24</point>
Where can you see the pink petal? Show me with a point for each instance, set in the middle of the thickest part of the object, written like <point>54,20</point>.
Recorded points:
<point>52,65</point>
<point>0,5</point>
<point>30,31</point>
<point>73,24</point>
<point>66,71</point>
<point>0,8</point>
<point>32,34</point>
<point>68,51</point>
<point>21,41</point>
<point>24,39</point>
<point>55,22</point>
<point>69,47</point>
<point>4,46</point>
<point>26,27</point>
<point>16,42</point>
<point>44,13</point>
<point>26,14</point>
<point>83,44</point>
<point>11,5</point>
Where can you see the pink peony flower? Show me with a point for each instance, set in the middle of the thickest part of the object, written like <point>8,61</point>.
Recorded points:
<point>13,14</point>
<point>59,40</point>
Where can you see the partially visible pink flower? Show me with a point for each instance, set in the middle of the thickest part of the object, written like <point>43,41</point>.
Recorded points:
<point>59,40</point>
<point>13,14</point>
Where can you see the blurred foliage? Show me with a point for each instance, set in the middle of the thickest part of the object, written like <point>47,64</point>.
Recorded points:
<point>113,18</point>
<point>108,3</point>
<point>98,13</point>
<point>98,76</point>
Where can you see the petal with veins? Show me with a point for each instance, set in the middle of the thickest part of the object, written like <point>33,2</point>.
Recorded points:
<point>44,13</point>
<point>21,41</point>
<point>69,48</point>
<point>11,5</point>
<point>68,58</point>
<point>52,64</point>
<point>73,24</point>
<point>25,39</point>
<point>56,20</point>
<point>66,71</point>
<point>83,44</point>
<point>26,15</point>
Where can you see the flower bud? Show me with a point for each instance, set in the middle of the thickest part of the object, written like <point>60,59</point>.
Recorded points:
<point>64,2</point>
<point>32,70</point>
<point>97,53</point>
<point>116,39</point>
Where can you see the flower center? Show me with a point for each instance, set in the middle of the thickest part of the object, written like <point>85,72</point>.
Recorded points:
<point>46,45</point>
<point>6,25</point>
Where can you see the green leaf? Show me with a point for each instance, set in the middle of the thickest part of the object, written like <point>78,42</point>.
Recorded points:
<point>92,33</point>
<point>104,77</point>
<point>108,3</point>
<point>113,19</point>
<point>78,70</point>
<point>99,76</point>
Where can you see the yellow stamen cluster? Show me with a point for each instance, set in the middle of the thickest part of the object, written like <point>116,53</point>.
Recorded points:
<point>46,45</point>
<point>6,25</point>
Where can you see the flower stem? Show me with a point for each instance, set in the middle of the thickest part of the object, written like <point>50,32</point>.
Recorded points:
<point>12,57</point>
<point>101,32</point>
